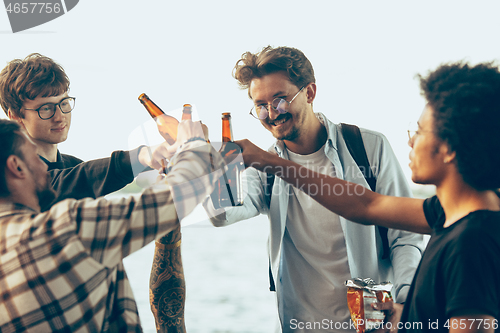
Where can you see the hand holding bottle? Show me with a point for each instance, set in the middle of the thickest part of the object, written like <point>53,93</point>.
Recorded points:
<point>155,156</point>
<point>253,156</point>
<point>167,125</point>
<point>229,189</point>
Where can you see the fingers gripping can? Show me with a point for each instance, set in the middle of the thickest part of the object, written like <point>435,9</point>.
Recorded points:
<point>361,293</point>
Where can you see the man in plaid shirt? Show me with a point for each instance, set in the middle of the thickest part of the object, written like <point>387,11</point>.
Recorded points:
<point>58,268</point>
<point>34,91</point>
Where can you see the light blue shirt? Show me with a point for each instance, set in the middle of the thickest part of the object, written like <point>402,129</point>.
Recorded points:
<point>363,243</point>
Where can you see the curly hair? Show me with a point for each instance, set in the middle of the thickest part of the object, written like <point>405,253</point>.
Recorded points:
<point>271,60</point>
<point>465,101</point>
<point>34,76</point>
<point>12,140</point>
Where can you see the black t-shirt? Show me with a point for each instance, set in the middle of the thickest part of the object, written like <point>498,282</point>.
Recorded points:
<point>63,161</point>
<point>459,273</point>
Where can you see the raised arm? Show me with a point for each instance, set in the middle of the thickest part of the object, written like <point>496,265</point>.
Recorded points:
<point>112,229</point>
<point>167,286</point>
<point>352,201</point>
<point>99,177</point>
<point>96,178</point>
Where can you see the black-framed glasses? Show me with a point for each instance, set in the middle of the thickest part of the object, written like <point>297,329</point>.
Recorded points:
<point>279,104</point>
<point>47,111</point>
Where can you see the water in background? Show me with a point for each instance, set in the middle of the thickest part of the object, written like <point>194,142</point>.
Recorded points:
<point>226,271</point>
<point>227,282</point>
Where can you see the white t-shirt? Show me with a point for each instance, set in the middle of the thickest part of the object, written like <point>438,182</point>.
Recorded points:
<point>314,265</point>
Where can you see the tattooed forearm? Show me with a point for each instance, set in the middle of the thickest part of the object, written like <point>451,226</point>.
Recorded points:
<point>167,287</point>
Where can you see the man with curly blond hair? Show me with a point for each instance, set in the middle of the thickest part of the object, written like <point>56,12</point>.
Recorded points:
<point>312,251</point>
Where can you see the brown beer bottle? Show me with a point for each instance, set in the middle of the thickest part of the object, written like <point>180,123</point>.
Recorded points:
<point>186,112</point>
<point>167,125</point>
<point>230,191</point>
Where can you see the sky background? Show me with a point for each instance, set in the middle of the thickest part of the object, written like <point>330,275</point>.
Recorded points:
<point>365,55</point>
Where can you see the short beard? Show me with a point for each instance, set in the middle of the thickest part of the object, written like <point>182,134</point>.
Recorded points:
<point>294,134</point>
<point>294,131</point>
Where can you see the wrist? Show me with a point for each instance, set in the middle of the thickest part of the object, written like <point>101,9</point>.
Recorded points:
<point>168,246</point>
<point>171,239</point>
<point>269,162</point>
<point>196,138</point>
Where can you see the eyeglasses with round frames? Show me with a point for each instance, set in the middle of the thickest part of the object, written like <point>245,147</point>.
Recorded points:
<point>279,104</point>
<point>47,111</point>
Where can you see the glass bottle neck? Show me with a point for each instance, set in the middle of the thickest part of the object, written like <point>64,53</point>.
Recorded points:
<point>227,133</point>
<point>153,109</point>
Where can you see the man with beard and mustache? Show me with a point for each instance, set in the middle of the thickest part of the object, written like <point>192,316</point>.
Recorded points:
<point>58,269</point>
<point>313,251</point>
<point>35,92</point>
<point>454,147</point>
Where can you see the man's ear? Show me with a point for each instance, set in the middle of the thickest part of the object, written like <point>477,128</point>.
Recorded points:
<point>16,166</point>
<point>11,115</point>
<point>449,155</point>
<point>14,116</point>
<point>310,92</point>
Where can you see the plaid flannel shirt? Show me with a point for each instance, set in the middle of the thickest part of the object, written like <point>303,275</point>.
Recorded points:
<point>117,175</point>
<point>58,269</point>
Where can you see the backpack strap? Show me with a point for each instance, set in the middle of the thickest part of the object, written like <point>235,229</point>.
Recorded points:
<point>354,143</point>
<point>268,194</point>
<point>272,287</point>
<point>269,188</point>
